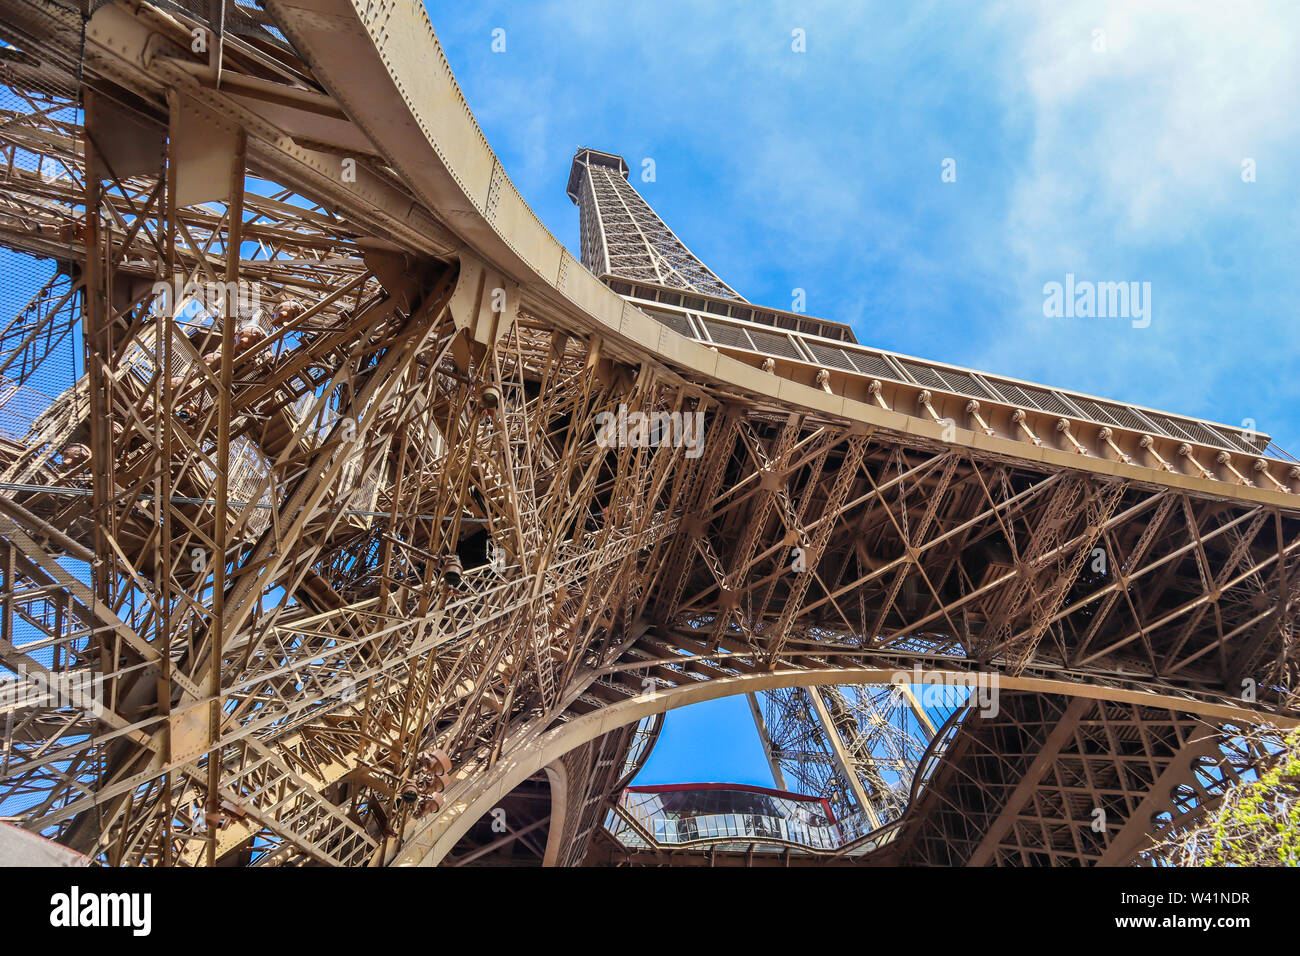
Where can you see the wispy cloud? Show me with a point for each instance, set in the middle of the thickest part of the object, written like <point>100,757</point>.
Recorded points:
<point>1141,117</point>
<point>821,170</point>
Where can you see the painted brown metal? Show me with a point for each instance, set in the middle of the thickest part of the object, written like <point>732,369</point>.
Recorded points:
<point>384,505</point>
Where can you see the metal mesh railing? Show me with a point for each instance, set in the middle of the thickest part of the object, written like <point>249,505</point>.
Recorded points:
<point>982,386</point>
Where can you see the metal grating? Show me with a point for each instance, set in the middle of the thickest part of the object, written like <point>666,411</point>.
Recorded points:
<point>962,383</point>
<point>1127,417</point>
<point>1258,446</point>
<point>728,335</point>
<point>674,320</point>
<point>1094,411</point>
<point>1225,438</point>
<point>924,375</point>
<point>1045,401</point>
<point>1013,395</point>
<point>1170,427</point>
<point>1147,424</point>
<point>1204,434</point>
<point>830,355</point>
<point>871,364</point>
<point>773,343</point>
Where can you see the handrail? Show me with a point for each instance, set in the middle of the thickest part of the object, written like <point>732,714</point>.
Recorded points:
<point>934,749</point>
<point>765,829</point>
<point>644,737</point>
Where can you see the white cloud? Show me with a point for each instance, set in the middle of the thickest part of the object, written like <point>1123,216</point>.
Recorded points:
<point>1148,136</point>
<point>822,170</point>
<point>1133,172</point>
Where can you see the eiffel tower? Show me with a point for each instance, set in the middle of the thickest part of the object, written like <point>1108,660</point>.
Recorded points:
<point>347,518</point>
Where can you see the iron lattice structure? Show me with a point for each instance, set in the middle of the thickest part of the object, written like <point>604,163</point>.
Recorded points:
<point>325,549</point>
<point>859,747</point>
<point>623,236</point>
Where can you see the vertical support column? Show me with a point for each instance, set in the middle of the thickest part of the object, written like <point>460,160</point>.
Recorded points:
<point>97,339</point>
<point>904,691</point>
<point>773,761</point>
<point>100,343</point>
<point>164,403</point>
<point>221,518</point>
<point>842,761</point>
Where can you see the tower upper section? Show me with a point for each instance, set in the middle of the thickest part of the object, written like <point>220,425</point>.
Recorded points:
<point>622,236</point>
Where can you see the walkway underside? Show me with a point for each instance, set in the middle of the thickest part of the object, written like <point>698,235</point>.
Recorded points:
<point>302,546</point>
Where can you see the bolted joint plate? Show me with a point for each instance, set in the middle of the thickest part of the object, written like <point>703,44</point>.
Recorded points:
<point>484,302</point>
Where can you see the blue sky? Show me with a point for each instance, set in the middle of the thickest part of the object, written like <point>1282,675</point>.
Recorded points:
<point>1116,156</point>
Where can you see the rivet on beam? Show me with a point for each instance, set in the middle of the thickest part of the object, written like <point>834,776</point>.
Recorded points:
<point>1261,466</point>
<point>1020,419</point>
<point>1224,459</point>
<point>1063,426</point>
<point>973,409</point>
<point>874,388</point>
<point>1186,451</point>
<point>1147,442</point>
<point>1108,437</point>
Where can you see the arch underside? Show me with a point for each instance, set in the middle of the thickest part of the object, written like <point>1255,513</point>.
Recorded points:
<point>1036,773</point>
<point>469,565</point>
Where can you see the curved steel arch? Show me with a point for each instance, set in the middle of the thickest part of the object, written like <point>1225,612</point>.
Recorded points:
<point>471,799</point>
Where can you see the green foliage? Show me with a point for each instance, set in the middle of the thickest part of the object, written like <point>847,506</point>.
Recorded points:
<point>1258,823</point>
